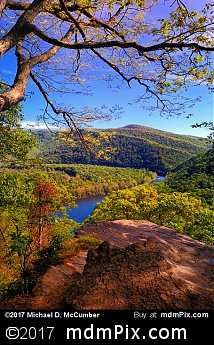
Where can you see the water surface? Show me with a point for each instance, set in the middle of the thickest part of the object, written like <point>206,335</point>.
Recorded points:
<point>84,208</point>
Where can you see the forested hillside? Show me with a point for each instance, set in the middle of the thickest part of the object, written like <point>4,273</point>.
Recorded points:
<point>31,230</point>
<point>132,146</point>
<point>195,176</point>
<point>88,180</point>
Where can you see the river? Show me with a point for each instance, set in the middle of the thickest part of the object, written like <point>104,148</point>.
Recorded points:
<point>158,179</point>
<point>86,206</point>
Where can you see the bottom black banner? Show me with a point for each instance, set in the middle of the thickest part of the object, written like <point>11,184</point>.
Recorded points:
<point>95,326</point>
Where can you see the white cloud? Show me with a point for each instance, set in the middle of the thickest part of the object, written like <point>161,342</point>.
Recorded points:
<point>36,125</point>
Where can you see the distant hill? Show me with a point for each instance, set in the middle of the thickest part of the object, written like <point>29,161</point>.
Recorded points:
<point>196,176</point>
<point>134,146</point>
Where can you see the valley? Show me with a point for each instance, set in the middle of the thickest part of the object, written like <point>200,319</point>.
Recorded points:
<point>40,225</point>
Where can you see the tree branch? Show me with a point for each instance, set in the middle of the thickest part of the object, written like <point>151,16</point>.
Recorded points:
<point>22,6</point>
<point>114,43</point>
<point>20,29</point>
<point>102,24</point>
<point>67,116</point>
<point>17,91</point>
<point>2,6</point>
<point>42,24</point>
<point>44,94</point>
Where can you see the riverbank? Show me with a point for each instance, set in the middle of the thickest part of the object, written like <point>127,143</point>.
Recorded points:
<point>92,180</point>
<point>85,206</point>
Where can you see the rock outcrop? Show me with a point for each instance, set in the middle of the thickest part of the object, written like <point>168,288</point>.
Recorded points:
<point>145,266</point>
<point>138,265</point>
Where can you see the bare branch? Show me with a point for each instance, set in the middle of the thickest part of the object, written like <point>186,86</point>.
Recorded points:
<point>67,115</point>
<point>43,92</point>
<point>73,19</point>
<point>112,66</point>
<point>99,23</point>
<point>180,4</point>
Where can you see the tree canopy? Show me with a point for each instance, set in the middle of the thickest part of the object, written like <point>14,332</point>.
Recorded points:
<point>160,205</point>
<point>14,141</point>
<point>60,44</point>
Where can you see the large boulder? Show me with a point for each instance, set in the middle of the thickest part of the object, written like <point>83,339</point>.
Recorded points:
<point>169,271</point>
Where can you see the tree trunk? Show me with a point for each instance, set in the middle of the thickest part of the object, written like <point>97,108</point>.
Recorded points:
<point>2,6</point>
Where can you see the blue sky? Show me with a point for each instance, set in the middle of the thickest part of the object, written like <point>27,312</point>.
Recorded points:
<point>132,114</point>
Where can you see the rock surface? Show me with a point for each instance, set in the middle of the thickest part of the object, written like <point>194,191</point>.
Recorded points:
<point>49,291</point>
<point>143,265</point>
<point>139,265</point>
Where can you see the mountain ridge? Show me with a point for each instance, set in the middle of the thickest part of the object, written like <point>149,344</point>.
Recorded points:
<point>133,146</point>
<point>147,128</point>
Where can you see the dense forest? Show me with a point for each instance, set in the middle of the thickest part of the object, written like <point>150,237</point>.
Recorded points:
<point>32,233</point>
<point>179,211</point>
<point>29,229</point>
<point>195,176</point>
<point>130,146</point>
<point>88,180</point>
